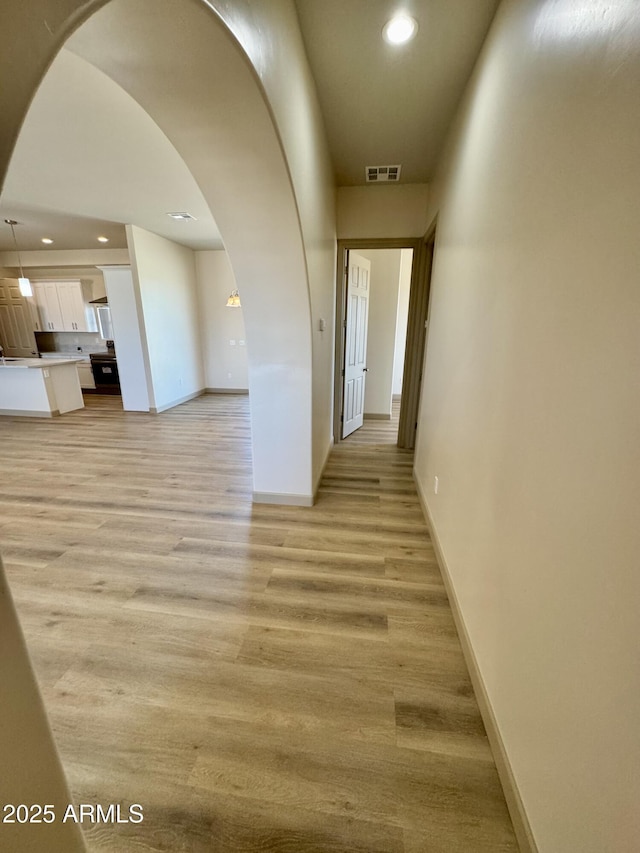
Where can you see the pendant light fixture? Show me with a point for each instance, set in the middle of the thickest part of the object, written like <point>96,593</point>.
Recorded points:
<point>23,282</point>
<point>234,300</point>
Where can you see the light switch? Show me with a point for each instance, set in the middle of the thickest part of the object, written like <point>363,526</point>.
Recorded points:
<point>232,342</point>
<point>241,343</point>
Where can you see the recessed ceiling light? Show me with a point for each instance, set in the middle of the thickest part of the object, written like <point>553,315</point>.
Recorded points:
<point>400,29</point>
<point>103,239</point>
<point>182,216</point>
<point>47,240</point>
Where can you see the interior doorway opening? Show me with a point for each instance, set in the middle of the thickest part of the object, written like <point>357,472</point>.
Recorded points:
<point>378,283</point>
<point>390,312</point>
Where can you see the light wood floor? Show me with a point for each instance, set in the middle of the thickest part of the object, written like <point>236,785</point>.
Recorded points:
<point>259,678</point>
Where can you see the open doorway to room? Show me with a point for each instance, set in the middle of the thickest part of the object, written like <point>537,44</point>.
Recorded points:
<point>381,313</point>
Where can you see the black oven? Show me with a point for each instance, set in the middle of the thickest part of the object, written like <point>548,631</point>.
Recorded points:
<point>104,367</point>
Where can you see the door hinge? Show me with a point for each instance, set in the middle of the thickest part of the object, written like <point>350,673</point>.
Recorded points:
<point>343,372</point>
<point>341,419</point>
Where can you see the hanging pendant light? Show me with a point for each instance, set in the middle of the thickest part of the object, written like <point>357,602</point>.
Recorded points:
<point>234,300</point>
<point>23,283</point>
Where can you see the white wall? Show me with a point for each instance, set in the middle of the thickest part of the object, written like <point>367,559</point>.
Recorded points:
<point>129,338</point>
<point>165,274</point>
<point>225,366</point>
<point>383,306</point>
<point>382,211</point>
<point>530,409</point>
<point>56,258</point>
<point>406,260</point>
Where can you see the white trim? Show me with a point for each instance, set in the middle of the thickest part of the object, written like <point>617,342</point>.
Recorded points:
<point>242,391</point>
<point>517,811</point>
<point>173,403</point>
<point>377,416</point>
<point>282,498</point>
<point>18,413</point>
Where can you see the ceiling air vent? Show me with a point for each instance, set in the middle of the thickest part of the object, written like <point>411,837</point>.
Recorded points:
<point>182,216</point>
<point>382,174</point>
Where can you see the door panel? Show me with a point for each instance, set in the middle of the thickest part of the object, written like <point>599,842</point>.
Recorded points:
<point>16,335</point>
<point>358,276</point>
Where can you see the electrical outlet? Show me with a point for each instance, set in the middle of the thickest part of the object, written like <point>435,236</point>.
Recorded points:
<point>240,343</point>
<point>436,483</point>
<point>232,342</point>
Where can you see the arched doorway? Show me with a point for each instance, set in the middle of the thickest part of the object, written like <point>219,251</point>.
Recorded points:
<point>181,63</point>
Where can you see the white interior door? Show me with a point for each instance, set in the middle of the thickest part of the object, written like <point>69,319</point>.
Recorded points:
<point>355,367</point>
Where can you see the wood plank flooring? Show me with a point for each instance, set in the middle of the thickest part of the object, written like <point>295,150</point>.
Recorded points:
<point>259,678</point>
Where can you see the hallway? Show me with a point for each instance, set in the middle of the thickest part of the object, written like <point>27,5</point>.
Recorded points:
<point>258,678</point>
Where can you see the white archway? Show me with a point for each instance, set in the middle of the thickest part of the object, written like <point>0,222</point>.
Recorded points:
<point>185,68</point>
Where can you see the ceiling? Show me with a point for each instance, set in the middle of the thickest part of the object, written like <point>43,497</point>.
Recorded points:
<point>90,159</point>
<point>385,104</point>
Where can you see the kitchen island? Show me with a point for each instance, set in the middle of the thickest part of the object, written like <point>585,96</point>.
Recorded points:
<point>39,388</point>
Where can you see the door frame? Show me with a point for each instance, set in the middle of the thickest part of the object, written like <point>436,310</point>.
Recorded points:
<point>408,406</point>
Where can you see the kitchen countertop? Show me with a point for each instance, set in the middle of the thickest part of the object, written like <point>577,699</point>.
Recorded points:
<point>38,363</point>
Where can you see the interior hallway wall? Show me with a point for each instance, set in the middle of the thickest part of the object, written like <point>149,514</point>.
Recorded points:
<point>165,273</point>
<point>395,210</point>
<point>530,410</point>
<point>225,365</point>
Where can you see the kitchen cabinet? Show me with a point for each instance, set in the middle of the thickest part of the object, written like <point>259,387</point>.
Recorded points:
<point>82,363</point>
<point>46,296</point>
<point>38,388</point>
<point>63,307</point>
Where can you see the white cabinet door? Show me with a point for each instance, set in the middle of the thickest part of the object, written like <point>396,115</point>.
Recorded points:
<point>77,314</point>
<point>72,305</point>
<point>34,314</point>
<point>46,293</point>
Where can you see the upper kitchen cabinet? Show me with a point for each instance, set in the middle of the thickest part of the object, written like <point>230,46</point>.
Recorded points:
<point>50,313</point>
<point>63,306</point>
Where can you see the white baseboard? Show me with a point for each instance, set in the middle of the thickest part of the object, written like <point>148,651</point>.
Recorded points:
<point>18,413</point>
<point>244,391</point>
<point>282,498</point>
<point>376,416</point>
<point>156,410</point>
<point>519,819</point>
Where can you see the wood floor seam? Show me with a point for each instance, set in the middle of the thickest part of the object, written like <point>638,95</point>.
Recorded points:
<point>260,678</point>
